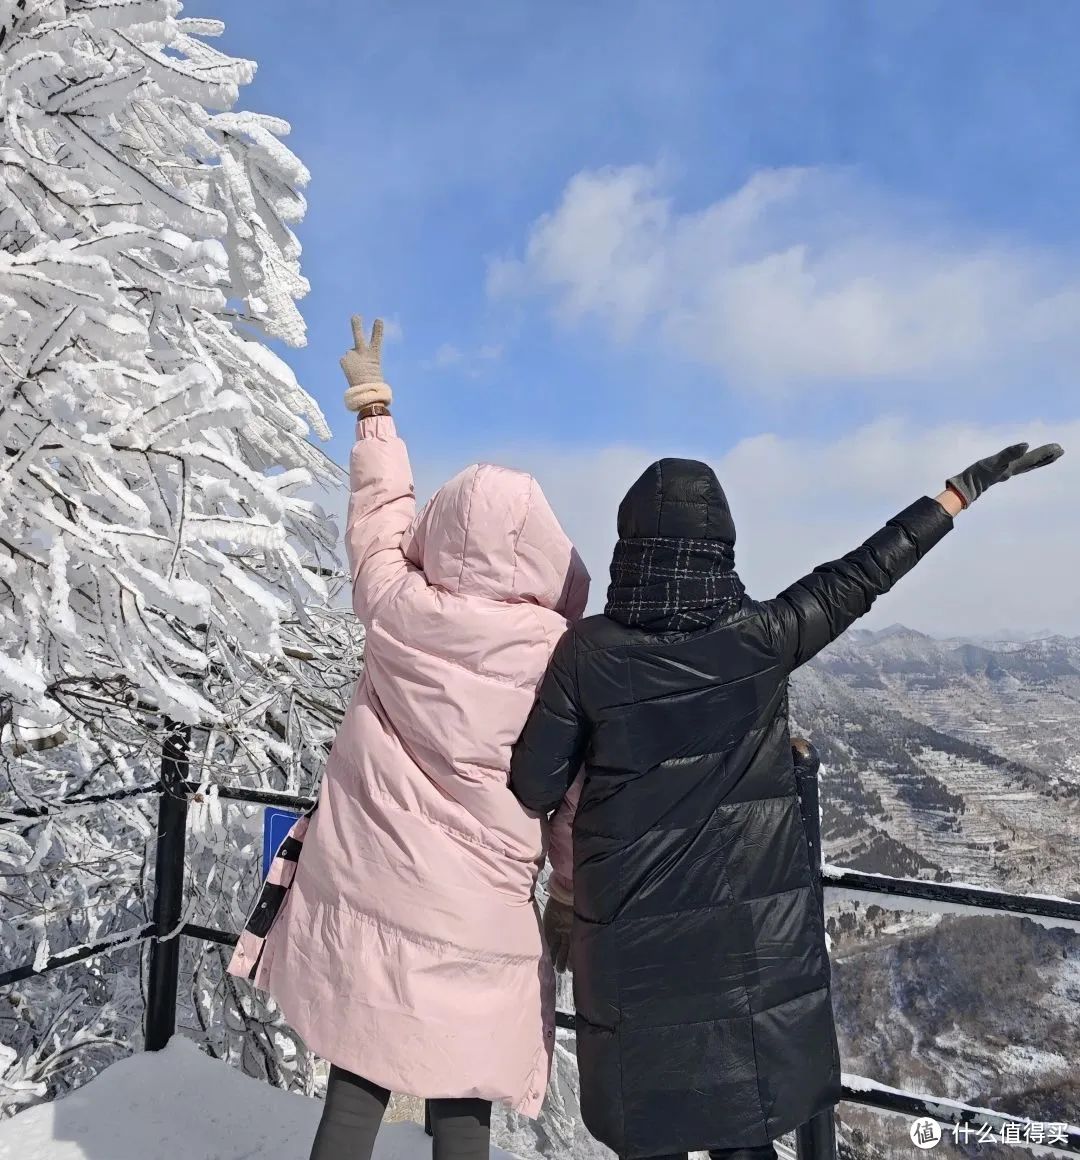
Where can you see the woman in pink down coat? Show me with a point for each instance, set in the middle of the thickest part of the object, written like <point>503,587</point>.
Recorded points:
<point>398,930</point>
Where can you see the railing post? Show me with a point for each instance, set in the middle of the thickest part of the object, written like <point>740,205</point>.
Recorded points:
<point>168,888</point>
<point>816,1139</point>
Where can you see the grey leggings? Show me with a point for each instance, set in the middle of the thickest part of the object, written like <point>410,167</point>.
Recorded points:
<point>354,1110</point>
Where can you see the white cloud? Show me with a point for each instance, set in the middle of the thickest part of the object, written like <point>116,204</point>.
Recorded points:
<point>471,363</point>
<point>1010,562</point>
<point>447,355</point>
<point>392,330</point>
<point>799,277</point>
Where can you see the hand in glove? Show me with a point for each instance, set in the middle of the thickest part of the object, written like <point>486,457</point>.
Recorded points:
<point>1014,460</point>
<point>362,366</point>
<point>805,756</point>
<point>558,922</point>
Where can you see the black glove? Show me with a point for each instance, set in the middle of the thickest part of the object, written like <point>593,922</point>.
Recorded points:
<point>1014,460</point>
<point>558,921</point>
<point>806,757</point>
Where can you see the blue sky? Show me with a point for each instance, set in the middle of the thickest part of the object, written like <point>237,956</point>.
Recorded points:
<point>797,221</point>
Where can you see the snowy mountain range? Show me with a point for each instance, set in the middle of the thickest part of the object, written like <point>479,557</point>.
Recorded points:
<point>951,759</point>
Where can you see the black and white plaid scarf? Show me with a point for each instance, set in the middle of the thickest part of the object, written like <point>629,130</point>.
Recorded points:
<point>672,585</point>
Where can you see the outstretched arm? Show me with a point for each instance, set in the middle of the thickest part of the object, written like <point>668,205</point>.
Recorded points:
<point>382,501</point>
<point>815,610</point>
<point>549,751</point>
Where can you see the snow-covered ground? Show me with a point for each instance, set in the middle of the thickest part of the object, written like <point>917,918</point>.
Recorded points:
<point>181,1103</point>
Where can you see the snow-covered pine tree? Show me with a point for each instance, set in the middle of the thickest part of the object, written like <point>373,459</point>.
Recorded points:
<point>155,560</point>
<point>151,442</point>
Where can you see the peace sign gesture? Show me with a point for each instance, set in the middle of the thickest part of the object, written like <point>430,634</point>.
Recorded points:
<point>363,369</point>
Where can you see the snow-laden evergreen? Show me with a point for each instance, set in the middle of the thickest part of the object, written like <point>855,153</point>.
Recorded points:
<point>152,443</point>
<point>158,559</point>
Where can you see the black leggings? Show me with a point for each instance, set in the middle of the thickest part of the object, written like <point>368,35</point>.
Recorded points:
<point>354,1110</point>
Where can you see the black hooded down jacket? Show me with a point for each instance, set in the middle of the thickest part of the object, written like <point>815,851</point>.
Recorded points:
<point>701,978</point>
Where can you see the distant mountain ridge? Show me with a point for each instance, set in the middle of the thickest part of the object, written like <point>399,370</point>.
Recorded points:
<point>949,758</point>
<point>999,636</point>
<point>1034,657</point>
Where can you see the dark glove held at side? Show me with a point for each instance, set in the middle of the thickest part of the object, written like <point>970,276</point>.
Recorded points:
<point>558,921</point>
<point>1014,460</point>
<point>806,758</point>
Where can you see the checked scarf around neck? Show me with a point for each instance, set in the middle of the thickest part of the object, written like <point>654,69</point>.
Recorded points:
<point>666,584</point>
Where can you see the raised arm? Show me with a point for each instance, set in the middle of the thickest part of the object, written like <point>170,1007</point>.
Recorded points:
<point>382,504</point>
<point>815,610</point>
<point>382,501</point>
<point>549,751</point>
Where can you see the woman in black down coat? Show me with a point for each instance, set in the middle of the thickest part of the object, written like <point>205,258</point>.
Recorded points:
<point>701,979</point>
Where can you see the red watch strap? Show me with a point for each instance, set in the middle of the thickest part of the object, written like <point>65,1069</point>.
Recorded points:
<point>959,495</point>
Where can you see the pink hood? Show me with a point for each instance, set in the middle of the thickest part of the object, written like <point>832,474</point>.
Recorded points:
<point>490,532</point>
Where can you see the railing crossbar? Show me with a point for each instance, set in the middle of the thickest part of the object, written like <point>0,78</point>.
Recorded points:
<point>239,793</point>
<point>209,934</point>
<point>841,879</point>
<point>68,958</point>
<point>953,1112</point>
<point>27,814</point>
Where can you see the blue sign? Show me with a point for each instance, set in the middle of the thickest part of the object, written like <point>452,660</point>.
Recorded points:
<point>276,826</point>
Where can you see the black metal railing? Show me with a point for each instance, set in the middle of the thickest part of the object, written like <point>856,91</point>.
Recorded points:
<point>815,1140</point>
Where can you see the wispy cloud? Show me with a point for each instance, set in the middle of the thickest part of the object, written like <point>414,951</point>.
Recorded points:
<point>447,355</point>
<point>392,330</point>
<point>472,363</point>
<point>801,277</point>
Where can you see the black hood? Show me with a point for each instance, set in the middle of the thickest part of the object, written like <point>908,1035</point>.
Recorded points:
<point>673,569</point>
<point>676,499</point>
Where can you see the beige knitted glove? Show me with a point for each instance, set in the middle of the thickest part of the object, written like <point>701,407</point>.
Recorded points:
<point>362,367</point>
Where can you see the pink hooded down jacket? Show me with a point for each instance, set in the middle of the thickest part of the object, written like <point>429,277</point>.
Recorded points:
<point>405,943</point>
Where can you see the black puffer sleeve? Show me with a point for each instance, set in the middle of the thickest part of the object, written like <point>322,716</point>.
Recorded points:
<point>548,753</point>
<point>815,610</point>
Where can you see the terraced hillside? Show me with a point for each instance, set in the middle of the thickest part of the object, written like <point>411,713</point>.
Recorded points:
<point>949,760</point>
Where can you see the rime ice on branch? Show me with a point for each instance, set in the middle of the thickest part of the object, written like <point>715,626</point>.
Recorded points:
<point>152,444</point>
